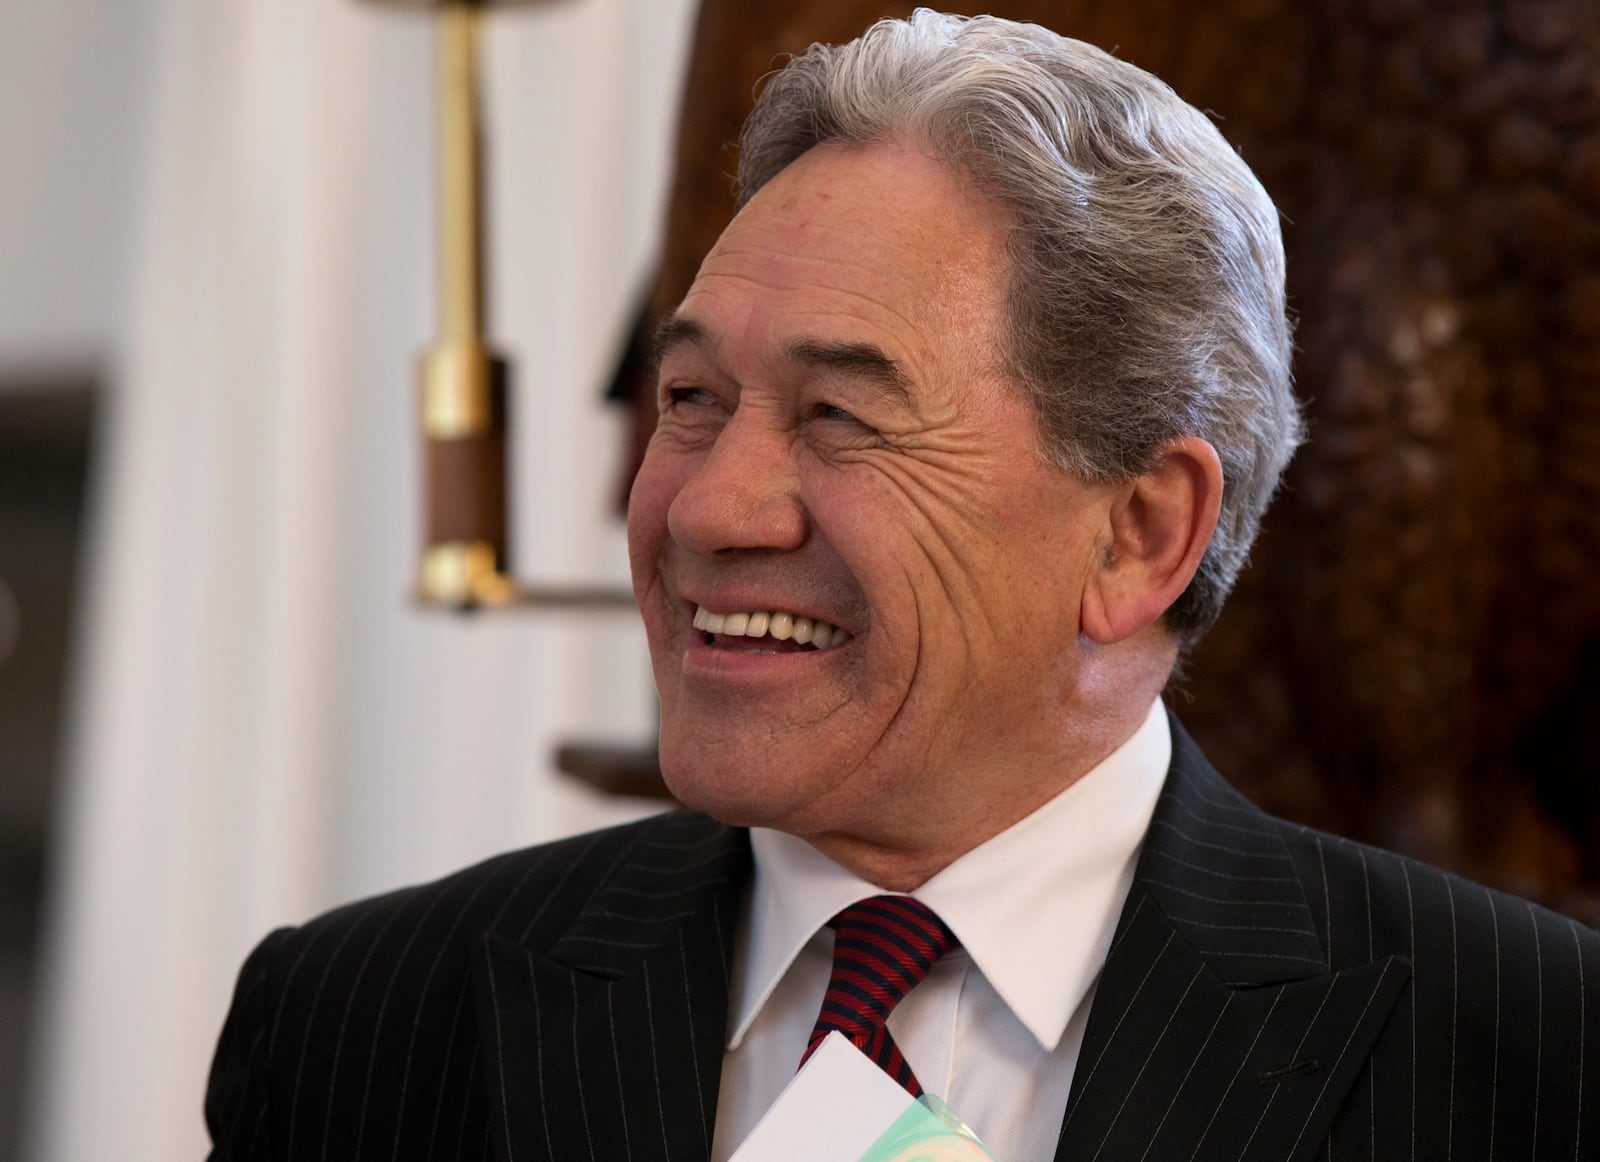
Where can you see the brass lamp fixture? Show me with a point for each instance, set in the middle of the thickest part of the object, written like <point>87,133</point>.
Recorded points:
<point>464,383</point>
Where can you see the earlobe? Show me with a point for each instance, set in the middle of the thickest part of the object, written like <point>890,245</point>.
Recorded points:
<point>1157,531</point>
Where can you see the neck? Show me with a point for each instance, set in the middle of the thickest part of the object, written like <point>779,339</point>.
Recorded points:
<point>907,847</point>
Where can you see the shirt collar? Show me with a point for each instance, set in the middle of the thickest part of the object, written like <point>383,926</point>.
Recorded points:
<point>1035,906</point>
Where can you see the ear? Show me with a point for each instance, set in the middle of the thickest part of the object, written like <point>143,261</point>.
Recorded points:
<point>1160,525</point>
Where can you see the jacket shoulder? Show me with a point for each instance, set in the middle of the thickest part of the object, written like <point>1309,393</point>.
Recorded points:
<point>1364,902</point>
<point>1501,1017</point>
<point>1493,1037</point>
<point>530,896</point>
<point>370,1003</point>
<point>1370,902</point>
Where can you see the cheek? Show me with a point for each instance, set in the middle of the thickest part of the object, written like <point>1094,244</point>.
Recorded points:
<point>916,550</point>
<point>648,503</point>
<point>961,580</point>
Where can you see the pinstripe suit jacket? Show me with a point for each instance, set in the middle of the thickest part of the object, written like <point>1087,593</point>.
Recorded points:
<point>1272,993</point>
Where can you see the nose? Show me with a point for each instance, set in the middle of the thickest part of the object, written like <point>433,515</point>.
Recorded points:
<point>744,494</point>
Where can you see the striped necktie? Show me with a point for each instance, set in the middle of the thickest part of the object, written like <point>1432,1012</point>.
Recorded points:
<point>881,948</point>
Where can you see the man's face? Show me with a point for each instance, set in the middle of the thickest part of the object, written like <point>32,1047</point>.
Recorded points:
<point>839,442</point>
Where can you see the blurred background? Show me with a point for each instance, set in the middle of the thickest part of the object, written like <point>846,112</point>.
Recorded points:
<point>219,709</point>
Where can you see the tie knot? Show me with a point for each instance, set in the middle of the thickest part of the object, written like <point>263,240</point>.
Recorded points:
<point>890,943</point>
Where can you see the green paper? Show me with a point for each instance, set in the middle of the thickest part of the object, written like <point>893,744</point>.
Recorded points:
<point>928,1131</point>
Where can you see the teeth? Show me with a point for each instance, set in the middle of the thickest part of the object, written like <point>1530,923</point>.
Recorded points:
<point>778,624</point>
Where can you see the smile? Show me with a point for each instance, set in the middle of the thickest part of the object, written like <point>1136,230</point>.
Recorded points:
<point>778,631</point>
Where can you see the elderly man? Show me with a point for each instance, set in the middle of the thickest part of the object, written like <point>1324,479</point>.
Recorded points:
<point>967,424</point>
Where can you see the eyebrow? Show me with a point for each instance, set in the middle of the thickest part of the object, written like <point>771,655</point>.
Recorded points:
<point>866,362</point>
<point>677,331</point>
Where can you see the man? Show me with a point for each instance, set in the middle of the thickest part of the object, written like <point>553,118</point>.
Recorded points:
<point>967,425</point>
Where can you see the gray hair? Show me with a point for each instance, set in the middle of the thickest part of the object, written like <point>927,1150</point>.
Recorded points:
<point>1147,298</point>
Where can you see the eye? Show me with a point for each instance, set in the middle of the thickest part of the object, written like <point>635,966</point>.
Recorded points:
<point>673,397</point>
<point>838,428</point>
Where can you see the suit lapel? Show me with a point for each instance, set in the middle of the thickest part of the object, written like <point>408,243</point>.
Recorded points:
<point>1217,1030</point>
<point>609,1045</point>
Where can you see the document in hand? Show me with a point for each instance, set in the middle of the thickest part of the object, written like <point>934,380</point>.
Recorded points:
<point>841,1107</point>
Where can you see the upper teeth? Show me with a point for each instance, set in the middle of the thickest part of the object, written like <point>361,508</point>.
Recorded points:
<point>780,625</point>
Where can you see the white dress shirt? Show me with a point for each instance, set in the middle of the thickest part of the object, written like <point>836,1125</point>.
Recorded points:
<point>996,1027</point>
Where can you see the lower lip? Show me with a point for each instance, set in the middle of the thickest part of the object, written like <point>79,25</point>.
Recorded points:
<point>701,657</point>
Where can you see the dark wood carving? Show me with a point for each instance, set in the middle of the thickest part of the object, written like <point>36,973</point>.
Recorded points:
<point>1414,655</point>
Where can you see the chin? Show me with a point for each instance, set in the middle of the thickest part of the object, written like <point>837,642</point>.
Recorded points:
<point>734,805</point>
<point>699,779</point>
<point>746,793</point>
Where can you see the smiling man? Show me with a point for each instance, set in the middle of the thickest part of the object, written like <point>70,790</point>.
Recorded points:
<point>967,424</point>
<point>842,443</point>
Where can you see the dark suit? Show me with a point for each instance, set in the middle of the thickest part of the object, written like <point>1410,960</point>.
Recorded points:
<point>1272,993</point>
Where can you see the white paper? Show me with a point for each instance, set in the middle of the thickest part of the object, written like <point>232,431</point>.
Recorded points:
<point>837,1106</point>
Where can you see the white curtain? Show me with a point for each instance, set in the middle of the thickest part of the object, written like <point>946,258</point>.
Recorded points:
<point>264,727</point>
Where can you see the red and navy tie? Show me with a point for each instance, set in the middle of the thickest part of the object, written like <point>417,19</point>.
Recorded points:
<point>881,948</point>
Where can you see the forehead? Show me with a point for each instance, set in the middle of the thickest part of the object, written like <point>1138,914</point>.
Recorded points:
<point>877,244</point>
